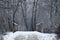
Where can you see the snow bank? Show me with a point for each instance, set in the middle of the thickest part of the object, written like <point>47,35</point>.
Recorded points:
<point>27,35</point>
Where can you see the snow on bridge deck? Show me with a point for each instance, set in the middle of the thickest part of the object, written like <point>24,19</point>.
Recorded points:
<point>29,35</point>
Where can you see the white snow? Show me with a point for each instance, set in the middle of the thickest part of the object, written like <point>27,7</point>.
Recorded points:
<point>29,35</point>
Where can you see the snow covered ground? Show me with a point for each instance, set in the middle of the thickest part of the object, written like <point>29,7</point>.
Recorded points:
<point>29,35</point>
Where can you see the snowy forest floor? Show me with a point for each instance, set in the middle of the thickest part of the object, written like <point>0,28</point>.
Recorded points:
<point>29,35</point>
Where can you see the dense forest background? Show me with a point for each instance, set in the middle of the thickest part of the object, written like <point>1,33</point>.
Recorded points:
<point>29,15</point>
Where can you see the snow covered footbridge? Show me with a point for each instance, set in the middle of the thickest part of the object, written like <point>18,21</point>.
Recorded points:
<point>27,35</point>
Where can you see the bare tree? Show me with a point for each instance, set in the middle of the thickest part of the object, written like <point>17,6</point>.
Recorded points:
<point>34,12</point>
<point>23,13</point>
<point>51,12</point>
<point>14,12</point>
